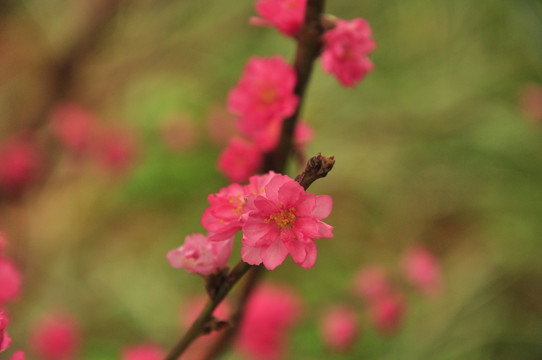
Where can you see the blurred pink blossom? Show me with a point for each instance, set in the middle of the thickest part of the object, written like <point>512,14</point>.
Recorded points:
<point>10,280</point>
<point>143,352</point>
<point>270,312</point>
<point>73,125</point>
<point>56,337</point>
<point>17,355</point>
<point>198,255</point>
<point>178,133</point>
<point>115,149</point>
<point>422,270</point>
<point>283,221</point>
<point>387,313</point>
<point>372,283</point>
<point>339,328</point>
<point>530,101</point>
<point>3,241</point>
<point>20,160</point>
<point>220,125</point>
<point>345,51</point>
<point>303,134</point>
<point>239,160</point>
<point>286,15</point>
<point>263,94</point>
<point>5,340</point>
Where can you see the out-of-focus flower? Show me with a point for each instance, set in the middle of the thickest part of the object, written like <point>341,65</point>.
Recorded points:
<point>285,15</point>
<point>345,51</point>
<point>339,328</point>
<point>220,125</point>
<point>284,221</point>
<point>56,337</point>
<point>17,355</point>
<point>115,149</point>
<point>240,160</point>
<point>372,283</point>
<point>143,352</point>
<point>20,160</point>
<point>73,125</point>
<point>270,312</point>
<point>3,241</point>
<point>387,313</point>
<point>263,94</point>
<point>178,133</point>
<point>303,134</point>
<point>422,270</point>
<point>198,255</point>
<point>10,280</point>
<point>5,340</point>
<point>530,101</point>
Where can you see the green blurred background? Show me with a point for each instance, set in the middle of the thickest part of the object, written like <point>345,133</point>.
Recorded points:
<point>434,147</point>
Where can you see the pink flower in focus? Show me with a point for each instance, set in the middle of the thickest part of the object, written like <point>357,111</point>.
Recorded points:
<point>198,255</point>
<point>10,280</point>
<point>387,313</point>
<point>339,328</point>
<point>19,164</point>
<point>286,15</point>
<point>345,51</point>
<point>263,94</point>
<point>56,337</point>
<point>284,221</point>
<point>239,160</point>
<point>73,125</point>
<point>115,149</point>
<point>5,340</point>
<point>269,313</point>
<point>143,352</point>
<point>372,283</point>
<point>422,270</point>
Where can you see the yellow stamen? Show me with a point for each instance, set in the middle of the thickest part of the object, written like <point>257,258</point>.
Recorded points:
<point>284,219</point>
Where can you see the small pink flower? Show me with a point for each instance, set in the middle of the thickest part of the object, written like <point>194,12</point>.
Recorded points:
<point>269,313</point>
<point>115,149</point>
<point>10,280</point>
<point>19,164</point>
<point>372,283</point>
<point>286,15</point>
<point>284,221</point>
<point>339,328</point>
<point>387,313</point>
<point>263,94</point>
<point>240,160</point>
<point>17,355</point>
<point>223,217</point>
<point>143,352</point>
<point>5,340</point>
<point>73,125</point>
<point>198,255</point>
<point>346,49</point>
<point>56,337</point>
<point>422,270</point>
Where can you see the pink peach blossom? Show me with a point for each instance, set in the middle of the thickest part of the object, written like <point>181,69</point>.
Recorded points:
<point>286,15</point>
<point>20,160</point>
<point>372,283</point>
<point>223,216</point>
<point>73,125</point>
<point>240,160</point>
<point>339,328</point>
<point>143,352</point>
<point>270,312</point>
<point>263,94</point>
<point>115,149</point>
<point>345,51</point>
<point>422,270</point>
<point>10,280</point>
<point>56,337</point>
<point>198,255</point>
<point>5,340</point>
<point>284,221</point>
<point>387,313</point>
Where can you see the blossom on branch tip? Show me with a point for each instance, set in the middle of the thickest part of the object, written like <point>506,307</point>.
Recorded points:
<point>240,159</point>
<point>286,15</point>
<point>263,94</point>
<point>198,255</point>
<point>283,221</point>
<point>345,51</point>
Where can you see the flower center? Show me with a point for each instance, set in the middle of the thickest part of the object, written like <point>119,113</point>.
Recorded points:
<point>237,201</point>
<point>268,95</point>
<point>284,219</point>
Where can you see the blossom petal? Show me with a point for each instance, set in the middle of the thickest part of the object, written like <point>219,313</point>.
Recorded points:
<point>265,206</point>
<point>274,254</point>
<point>310,260</point>
<point>289,193</point>
<point>305,205</point>
<point>324,230</point>
<point>251,255</point>
<point>322,209</point>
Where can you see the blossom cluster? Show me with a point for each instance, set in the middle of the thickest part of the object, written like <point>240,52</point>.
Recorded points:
<point>276,216</point>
